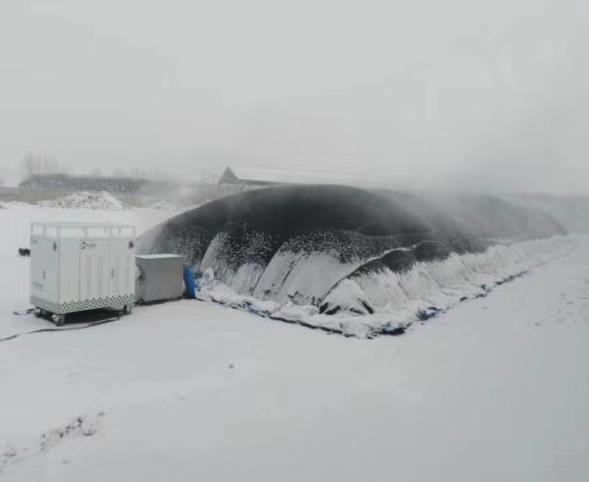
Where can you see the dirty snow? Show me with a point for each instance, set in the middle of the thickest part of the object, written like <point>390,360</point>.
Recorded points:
<point>496,388</point>
<point>86,200</point>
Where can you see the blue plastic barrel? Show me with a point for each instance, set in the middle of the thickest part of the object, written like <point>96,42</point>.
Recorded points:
<point>189,283</point>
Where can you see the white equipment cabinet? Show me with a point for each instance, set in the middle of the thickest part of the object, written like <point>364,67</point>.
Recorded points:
<point>79,267</point>
<point>161,277</point>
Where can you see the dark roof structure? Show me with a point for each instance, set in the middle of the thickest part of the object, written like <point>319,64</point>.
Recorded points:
<point>230,177</point>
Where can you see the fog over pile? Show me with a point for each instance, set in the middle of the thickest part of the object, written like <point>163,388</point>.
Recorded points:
<point>460,94</point>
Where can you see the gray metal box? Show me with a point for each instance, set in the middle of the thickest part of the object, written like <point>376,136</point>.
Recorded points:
<point>160,277</point>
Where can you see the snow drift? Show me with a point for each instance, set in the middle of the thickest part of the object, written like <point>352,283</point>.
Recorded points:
<point>101,200</point>
<point>370,257</point>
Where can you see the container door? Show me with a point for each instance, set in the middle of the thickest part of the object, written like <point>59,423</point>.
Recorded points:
<point>69,267</point>
<point>94,269</point>
<point>122,267</point>
<point>44,268</point>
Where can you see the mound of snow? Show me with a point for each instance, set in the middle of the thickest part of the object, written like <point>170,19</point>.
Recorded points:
<point>103,201</point>
<point>386,301</point>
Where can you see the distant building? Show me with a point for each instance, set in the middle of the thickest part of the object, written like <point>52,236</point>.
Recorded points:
<point>123,185</point>
<point>247,178</point>
<point>260,177</point>
<point>235,180</point>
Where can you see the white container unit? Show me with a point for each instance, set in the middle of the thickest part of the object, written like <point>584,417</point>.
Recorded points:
<point>78,267</point>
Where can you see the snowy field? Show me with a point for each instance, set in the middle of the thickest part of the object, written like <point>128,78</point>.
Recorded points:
<point>495,389</point>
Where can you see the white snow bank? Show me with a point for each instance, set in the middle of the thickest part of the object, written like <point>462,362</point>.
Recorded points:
<point>103,201</point>
<point>397,299</point>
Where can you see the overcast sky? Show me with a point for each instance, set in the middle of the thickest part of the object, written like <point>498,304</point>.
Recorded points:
<point>459,93</point>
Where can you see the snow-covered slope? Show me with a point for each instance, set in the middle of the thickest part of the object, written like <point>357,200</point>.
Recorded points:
<point>367,304</point>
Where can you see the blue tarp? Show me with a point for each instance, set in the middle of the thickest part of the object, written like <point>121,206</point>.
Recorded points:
<point>190,283</point>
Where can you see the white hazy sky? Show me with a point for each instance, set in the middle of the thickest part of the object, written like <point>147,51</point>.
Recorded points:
<point>466,93</point>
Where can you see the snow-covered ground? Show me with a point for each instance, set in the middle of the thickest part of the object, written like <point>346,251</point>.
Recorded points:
<point>496,388</point>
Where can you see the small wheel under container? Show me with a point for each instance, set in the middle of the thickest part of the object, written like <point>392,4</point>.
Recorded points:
<point>59,320</point>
